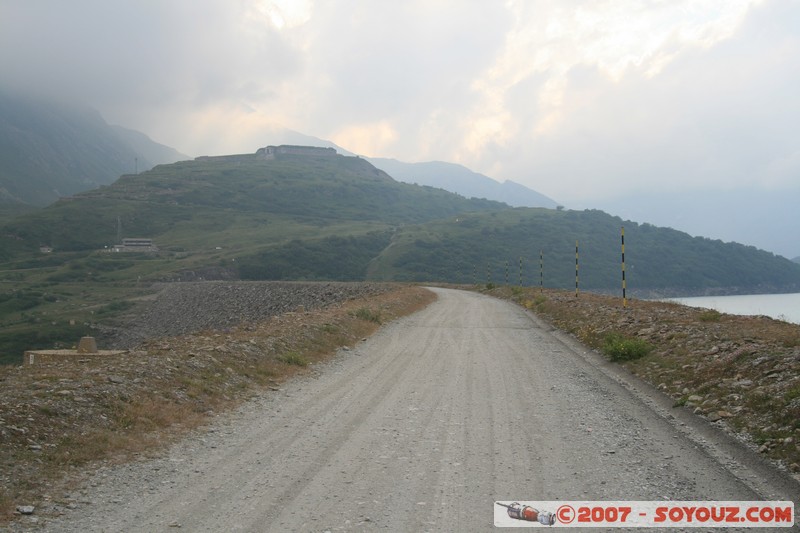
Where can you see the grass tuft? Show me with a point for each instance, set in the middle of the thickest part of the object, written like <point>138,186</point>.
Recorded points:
<point>364,313</point>
<point>710,315</point>
<point>293,358</point>
<point>621,348</point>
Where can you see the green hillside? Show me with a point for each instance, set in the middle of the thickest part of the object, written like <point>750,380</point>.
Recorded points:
<point>322,217</point>
<point>216,211</point>
<point>51,149</point>
<point>477,247</point>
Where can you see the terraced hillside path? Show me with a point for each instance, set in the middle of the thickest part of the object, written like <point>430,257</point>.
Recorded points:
<point>422,427</point>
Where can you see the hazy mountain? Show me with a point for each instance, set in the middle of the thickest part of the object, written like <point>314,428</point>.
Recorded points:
<point>148,150</point>
<point>494,247</point>
<point>765,219</point>
<point>322,216</point>
<point>461,180</point>
<point>442,175</point>
<point>51,149</point>
<point>245,199</point>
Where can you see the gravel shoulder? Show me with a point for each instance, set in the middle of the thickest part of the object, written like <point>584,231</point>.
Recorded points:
<point>421,428</point>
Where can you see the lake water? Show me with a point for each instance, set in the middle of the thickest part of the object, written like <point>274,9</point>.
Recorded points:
<point>781,306</point>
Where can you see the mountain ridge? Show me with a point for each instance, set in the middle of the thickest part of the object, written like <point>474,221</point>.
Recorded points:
<point>461,180</point>
<point>439,174</point>
<point>763,218</point>
<point>51,149</point>
<point>335,217</point>
<point>80,151</point>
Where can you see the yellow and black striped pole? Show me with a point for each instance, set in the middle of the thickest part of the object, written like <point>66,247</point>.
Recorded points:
<point>576,269</point>
<point>624,296</point>
<point>541,270</point>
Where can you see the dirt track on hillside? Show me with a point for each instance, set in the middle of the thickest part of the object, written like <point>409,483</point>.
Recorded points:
<point>421,428</point>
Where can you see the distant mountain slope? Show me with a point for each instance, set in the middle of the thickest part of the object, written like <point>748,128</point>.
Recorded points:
<point>313,216</point>
<point>49,150</point>
<point>439,174</point>
<point>480,248</point>
<point>244,199</point>
<point>463,181</point>
<point>148,150</point>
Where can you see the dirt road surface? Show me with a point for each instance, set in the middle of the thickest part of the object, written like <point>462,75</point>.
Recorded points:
<point>422,428</point>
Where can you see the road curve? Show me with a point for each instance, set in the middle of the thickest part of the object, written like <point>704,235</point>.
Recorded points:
<point>421,428</point>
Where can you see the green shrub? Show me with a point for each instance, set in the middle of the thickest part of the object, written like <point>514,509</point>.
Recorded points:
<point>37,336</point>
<point>367,314</point>
<point>710,315</point>
<point>792,393</point>
<point>620,348</point>
<point>18,301</point>
<point>293,358</point>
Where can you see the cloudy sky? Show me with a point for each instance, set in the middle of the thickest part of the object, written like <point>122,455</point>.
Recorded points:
<point>587,101</point>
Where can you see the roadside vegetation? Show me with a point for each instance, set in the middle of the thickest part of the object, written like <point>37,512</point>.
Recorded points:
<point>618,347</point>
<point>39,315</point>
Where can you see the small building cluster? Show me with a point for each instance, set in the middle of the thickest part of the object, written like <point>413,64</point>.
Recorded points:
<point>135,245</point>
<point>270,152</point>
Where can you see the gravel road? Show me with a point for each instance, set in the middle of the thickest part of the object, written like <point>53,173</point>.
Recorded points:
<point>421,428</point>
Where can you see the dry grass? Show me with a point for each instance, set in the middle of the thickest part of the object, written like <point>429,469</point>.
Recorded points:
<point>60,419</point>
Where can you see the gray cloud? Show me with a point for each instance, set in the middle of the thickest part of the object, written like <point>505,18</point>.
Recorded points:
<point>717,117</point>
<point>402,61</point>
<point>138,61</point>
<point>583,101</point>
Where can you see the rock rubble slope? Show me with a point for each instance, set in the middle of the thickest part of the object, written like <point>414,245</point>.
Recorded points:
<point>181,308</point>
